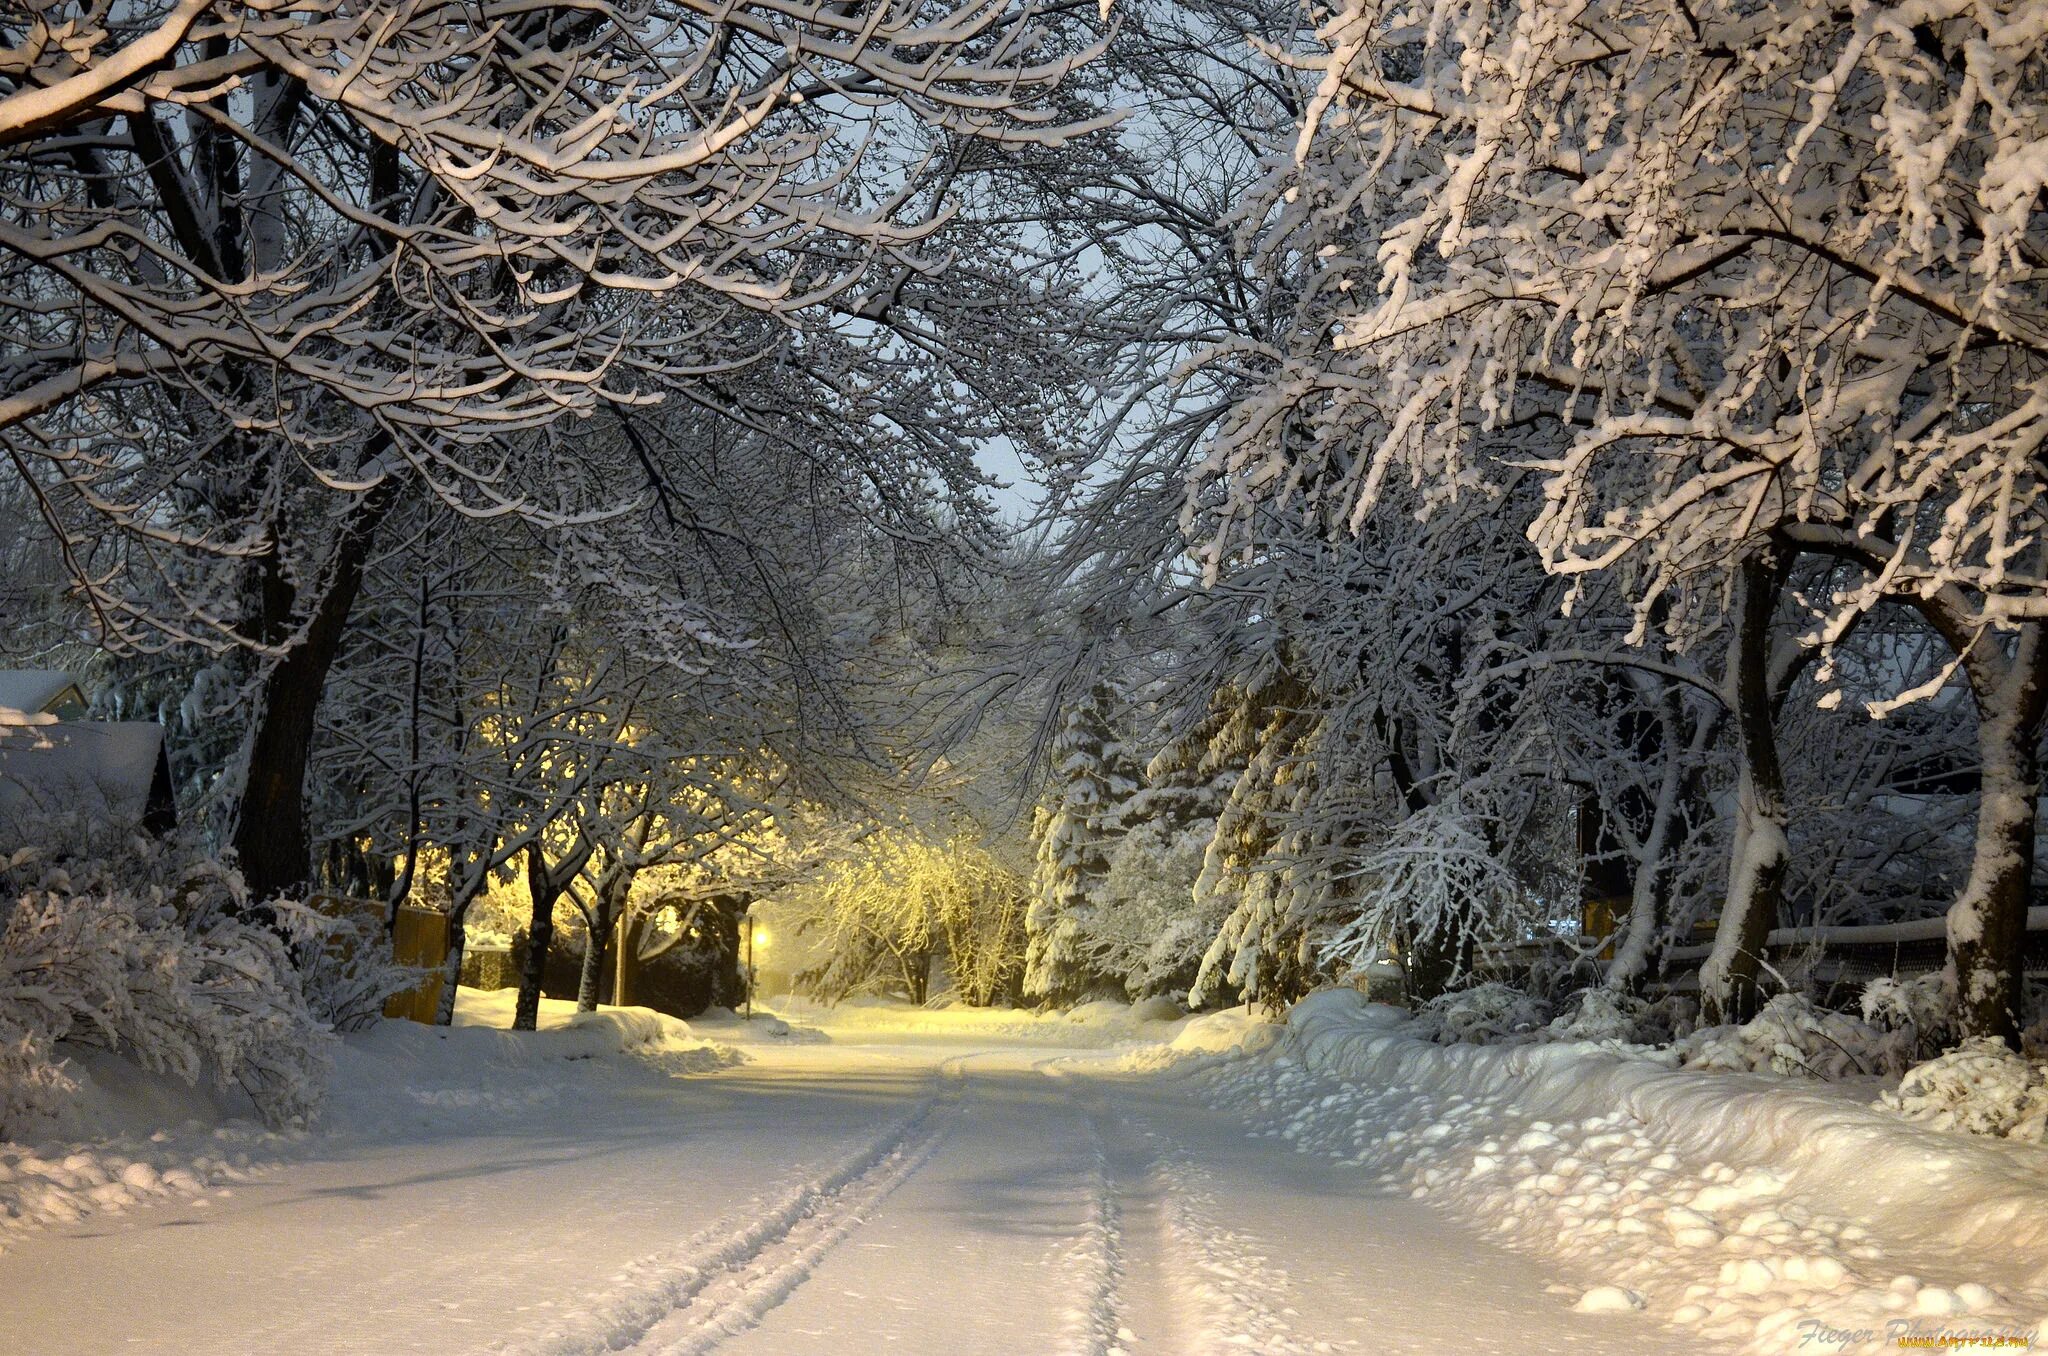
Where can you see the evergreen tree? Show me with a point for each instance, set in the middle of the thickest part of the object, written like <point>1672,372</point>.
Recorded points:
<point>1092,775</point>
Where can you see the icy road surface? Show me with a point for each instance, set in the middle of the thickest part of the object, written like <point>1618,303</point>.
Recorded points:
<point>915,1186</point>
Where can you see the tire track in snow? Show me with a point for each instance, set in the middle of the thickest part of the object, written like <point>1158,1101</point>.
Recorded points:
<point>726,1277</point>
<point>735,1298</point>
<point>1216,1273</point>
<point>1172,1279</point>
<point>1098,1254</point>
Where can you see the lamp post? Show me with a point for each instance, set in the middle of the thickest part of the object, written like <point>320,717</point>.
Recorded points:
<point>756,936</point>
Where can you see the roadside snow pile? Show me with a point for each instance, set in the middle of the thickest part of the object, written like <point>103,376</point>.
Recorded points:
<point>1792,1036</point>
<point>128,1137</point>
<point>1981,1088</point>
<point>1230,1031</point>
<point>1750,1210</point>
<point>484,1019</point>
<point>61,1184</point>
<point>401,1076</point>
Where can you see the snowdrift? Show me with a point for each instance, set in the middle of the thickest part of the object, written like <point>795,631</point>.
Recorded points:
<point>1946,1189</point>
<point>134,1137</point>
<point>1754,1209</point>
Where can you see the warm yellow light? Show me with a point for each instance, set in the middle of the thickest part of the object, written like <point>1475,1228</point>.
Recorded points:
<point>760,936</point>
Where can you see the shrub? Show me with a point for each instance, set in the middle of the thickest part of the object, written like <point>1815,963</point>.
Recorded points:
<point>1485,1014</point>
<point>182,980</point>
<point>1792,1036</point>
<point>1981,1087</point>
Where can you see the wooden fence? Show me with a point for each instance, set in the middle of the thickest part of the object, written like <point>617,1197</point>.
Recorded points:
<point>420,938</point>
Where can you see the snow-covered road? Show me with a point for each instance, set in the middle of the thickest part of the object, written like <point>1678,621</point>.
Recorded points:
<point>972,1189</point>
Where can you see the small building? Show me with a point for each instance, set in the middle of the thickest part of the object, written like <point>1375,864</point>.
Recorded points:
<point>56,766</point>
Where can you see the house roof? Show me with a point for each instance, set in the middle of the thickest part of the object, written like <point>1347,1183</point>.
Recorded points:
<point>32,692</point>
<point>99,769</point>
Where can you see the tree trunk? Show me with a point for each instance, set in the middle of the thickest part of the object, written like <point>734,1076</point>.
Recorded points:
<point>1635,954</point>
<point>451,969</point>
<point>591,980</point>
<point>612,892</point>
<point>1431,964</point>
<point>272,843</point>
<point>917,976</point>
<point>545,883</point>
<point>1988,922</point>
<point>540,936</point>
<point>1729,989</point>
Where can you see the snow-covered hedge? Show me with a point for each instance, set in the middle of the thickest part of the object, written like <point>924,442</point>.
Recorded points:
<point>1603,1014</point>
<point>1789,1036</point>
<point>159,962</point>
<point>1500,1014</point>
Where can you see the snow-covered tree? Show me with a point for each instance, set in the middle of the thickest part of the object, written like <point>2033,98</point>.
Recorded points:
<point>1091,774</point>
<point>272,276</point>
<point>887,911</point>
<point>1732,283</point>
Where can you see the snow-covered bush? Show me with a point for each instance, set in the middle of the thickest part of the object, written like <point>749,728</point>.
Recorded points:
<point>344,965</point>
<point>1436,878</point>
<point>1603,1014</point>
<point>1484,1014</point>
<point>1982,1087</point>
<point>2034,1019</point>
<point>1923,1007</point>
<point>1792,1036</point>
<point>179,978</point>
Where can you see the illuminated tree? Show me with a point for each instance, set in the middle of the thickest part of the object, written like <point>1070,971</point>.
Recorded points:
<point>272,275</point>
<point>887,911</point>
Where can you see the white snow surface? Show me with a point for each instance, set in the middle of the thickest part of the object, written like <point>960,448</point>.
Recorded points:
<point>1759,1213</point>
<point>883,1178</point>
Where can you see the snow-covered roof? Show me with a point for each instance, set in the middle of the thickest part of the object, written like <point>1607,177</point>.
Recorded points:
<point>100,769</point>
<point>26,693</point>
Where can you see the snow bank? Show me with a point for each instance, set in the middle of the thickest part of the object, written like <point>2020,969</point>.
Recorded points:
<point>1740,1205</point>
<point>1230,1031</point>
<point>129,1137</point>
<point>403,1075</point>
<point>564,1033</point>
